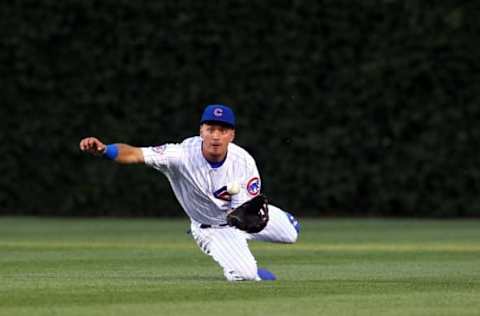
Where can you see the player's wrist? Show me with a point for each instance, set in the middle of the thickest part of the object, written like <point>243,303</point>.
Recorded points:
<point>111,151</point>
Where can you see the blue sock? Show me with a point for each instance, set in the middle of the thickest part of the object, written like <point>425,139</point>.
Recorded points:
<point>294,222</point>
<point>266,275</point>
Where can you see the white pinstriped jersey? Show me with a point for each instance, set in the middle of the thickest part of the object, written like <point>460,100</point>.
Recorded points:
<point>201,189</point>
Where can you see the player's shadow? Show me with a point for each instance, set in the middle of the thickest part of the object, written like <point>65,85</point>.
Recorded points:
<point>169,278</point>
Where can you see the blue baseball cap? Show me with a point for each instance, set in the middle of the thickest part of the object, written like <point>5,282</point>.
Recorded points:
<point>218,113</point>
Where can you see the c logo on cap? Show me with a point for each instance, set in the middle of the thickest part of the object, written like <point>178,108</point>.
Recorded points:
<point>218,112</point>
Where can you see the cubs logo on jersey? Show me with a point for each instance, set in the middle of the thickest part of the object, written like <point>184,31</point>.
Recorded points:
<point>253,186</point>
<point>222,194</point>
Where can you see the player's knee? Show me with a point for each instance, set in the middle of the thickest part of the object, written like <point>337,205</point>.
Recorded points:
<point>292,234</point>
<point>292,237</point>
<point>289,237</point>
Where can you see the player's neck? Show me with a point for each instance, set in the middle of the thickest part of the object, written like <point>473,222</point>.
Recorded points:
<point>211,157</point>
<point>214,158</point>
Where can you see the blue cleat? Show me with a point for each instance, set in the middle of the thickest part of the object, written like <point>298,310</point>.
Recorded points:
<point>266,275</point>
<point>294,222</point>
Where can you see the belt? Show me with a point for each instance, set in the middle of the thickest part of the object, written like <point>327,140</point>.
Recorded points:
<point>212,226</point>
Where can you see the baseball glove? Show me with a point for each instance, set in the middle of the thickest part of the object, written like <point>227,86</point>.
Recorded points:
<point>251,216</point>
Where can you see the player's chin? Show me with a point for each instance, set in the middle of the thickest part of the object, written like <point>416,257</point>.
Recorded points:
<point>217,149</point>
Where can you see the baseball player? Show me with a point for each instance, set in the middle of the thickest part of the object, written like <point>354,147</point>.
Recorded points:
<point>218,185</point>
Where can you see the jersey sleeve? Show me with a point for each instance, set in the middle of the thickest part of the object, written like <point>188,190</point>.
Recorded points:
<point>162,157</point>
<point>250,185</point>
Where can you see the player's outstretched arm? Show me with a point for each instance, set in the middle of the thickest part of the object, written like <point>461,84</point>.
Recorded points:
<point>121,153</point>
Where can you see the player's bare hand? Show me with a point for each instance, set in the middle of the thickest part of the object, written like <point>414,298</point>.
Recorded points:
<point>92,146</point>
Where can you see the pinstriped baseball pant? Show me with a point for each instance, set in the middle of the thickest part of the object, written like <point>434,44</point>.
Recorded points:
<point>228,246</point>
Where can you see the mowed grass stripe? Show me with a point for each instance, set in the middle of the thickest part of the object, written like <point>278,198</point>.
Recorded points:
<point>383,247</point>
<point>208,290</point>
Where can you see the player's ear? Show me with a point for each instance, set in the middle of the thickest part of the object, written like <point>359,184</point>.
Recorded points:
<point>233,135</point>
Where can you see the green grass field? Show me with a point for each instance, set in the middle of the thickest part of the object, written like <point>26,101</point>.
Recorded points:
<point>152,267</point>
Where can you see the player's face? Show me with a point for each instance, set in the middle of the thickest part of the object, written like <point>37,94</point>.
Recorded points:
<point>215,140</point>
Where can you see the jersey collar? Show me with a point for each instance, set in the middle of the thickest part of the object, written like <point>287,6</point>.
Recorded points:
<point>216,164</point>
